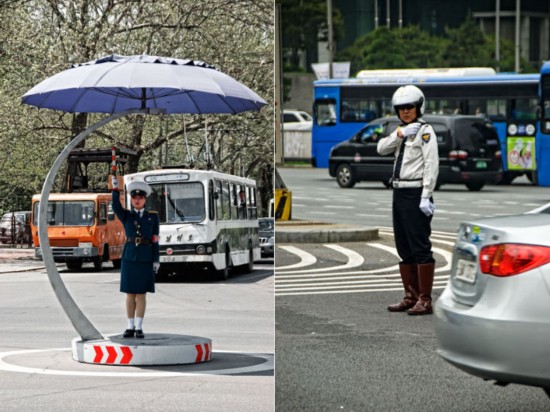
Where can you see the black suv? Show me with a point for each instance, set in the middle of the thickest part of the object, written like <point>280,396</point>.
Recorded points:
<point>469,152</point>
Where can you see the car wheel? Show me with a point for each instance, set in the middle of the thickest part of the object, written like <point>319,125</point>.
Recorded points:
<point>344,176</point>
<point>475,186</point>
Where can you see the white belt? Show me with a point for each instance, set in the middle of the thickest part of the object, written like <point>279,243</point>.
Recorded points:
<point>400,184</point>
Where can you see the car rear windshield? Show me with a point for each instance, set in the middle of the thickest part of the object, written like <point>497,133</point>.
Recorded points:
<point>473,135</point>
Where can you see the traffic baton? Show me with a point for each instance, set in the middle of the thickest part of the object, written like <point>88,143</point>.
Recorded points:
<point>113,160</point>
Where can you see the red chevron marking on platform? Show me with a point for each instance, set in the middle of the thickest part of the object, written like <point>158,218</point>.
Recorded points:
<point>98,354</point>
<point>199,353</point>
<point>112,354</point>
<point>127,355</point>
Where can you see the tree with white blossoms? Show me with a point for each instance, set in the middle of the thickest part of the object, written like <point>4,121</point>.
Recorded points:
<point>42,37</point>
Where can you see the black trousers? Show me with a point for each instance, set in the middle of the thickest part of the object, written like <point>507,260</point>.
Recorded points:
<point>411,227</point>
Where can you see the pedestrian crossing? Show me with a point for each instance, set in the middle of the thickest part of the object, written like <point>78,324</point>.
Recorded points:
<point>361,267</point>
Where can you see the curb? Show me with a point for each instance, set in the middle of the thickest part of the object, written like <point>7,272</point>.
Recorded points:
<point>299,231</point>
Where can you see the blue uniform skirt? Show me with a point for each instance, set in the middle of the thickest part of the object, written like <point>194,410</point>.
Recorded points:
<point>137,277</point>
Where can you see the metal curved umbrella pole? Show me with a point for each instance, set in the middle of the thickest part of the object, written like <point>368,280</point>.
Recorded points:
<point>83,326</point>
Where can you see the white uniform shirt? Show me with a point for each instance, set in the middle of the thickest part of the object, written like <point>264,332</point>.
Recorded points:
<point>421,158</point>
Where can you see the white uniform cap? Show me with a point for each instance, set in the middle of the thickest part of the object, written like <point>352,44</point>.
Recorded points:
<point>137,187</point>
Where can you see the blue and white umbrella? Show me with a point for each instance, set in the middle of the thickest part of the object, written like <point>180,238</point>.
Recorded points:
<point>115,84</point>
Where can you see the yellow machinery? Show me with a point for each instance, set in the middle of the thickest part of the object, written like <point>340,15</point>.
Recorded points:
<point>283,199</point>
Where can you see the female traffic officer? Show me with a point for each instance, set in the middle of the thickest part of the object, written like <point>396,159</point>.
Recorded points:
<point>416,167</point>
<point>140,258</point>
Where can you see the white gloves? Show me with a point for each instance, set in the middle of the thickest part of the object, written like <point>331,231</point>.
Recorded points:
<point>427,207</point>
<point>411,129</point>
<point>156,267</point>
<point>114,182</point>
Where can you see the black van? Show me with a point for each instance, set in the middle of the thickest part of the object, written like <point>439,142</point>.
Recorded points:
<point>469,152</point>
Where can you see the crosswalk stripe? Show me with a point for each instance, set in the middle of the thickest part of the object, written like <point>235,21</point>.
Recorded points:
<point>310,281</point>
<point>325,292</point>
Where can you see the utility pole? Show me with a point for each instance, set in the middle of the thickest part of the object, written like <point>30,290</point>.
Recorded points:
<point>330,42</point>
<point>401,14</point>
<point>497,34</point>
<point>518,19</point>
<point>279,150</point>
<point>375,14</point>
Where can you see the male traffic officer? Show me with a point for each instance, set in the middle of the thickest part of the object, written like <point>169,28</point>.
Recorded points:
<point>416,167</point>
<point>140,258</point>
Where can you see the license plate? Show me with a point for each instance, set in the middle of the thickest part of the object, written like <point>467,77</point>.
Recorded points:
<point>466,271</point>
<point>481,165</point>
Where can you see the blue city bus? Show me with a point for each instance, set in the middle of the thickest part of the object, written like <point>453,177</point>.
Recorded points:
<point>343,106</point>
<point>543,144</point>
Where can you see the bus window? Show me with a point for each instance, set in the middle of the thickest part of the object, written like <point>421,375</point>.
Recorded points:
<point>524,109</point>
<point>545,103</point>
<point>226,199</point>
<point>211,201</point>
<point>242,202</point>
<point>110,211</point>
<point>219,200</point>
<point>185,202</point>
<point>358,110</point>
<point>234,202</point>
<point>73,213</point>
<point>325,112</point>
<point>103,214</point>
<point>253,203</point>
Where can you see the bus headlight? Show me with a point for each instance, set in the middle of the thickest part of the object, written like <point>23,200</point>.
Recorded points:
<point>201,250</point>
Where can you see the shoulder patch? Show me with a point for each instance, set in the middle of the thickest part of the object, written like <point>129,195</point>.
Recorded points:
<point>426,137</point>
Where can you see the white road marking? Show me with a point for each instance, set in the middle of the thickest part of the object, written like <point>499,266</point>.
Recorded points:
<point>309,282</point>
<point>265,366</point>
<point>396,289</point>
<point>306,259</point>
<point>354,260</point>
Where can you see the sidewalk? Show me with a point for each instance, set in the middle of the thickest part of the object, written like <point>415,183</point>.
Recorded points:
<point>17,259</point>
<point>306,231</point>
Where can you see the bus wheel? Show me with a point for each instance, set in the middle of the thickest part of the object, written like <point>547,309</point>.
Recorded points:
<point>98,261</point>
<point>74,264</point>
<point>223,274</point>
<point>249,267</point>
<point>344,176</point>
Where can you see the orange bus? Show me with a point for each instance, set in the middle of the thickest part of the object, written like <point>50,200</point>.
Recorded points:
<point>82,227</point>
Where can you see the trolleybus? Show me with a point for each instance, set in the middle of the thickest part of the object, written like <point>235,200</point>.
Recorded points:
<point>208,219</point>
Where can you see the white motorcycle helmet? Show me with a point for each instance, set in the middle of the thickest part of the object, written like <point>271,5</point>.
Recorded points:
<point>408,95</point>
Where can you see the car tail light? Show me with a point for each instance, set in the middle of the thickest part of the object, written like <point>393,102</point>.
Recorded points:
<point>508,259</point>
<point>498,154</point>
<point>458,154</point>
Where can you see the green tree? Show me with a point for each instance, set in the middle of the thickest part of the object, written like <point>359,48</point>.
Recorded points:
<point>42,37</point>
<point>467,46</point>
<point>304,23</point>
<point>383,48</point>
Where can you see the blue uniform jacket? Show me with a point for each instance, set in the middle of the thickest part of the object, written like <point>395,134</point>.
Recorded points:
<point>147,226</point>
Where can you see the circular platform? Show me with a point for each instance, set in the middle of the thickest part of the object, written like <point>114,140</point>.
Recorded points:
<point>154,349</point>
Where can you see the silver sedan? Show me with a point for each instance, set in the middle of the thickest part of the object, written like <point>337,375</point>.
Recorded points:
<point>493,318</point>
